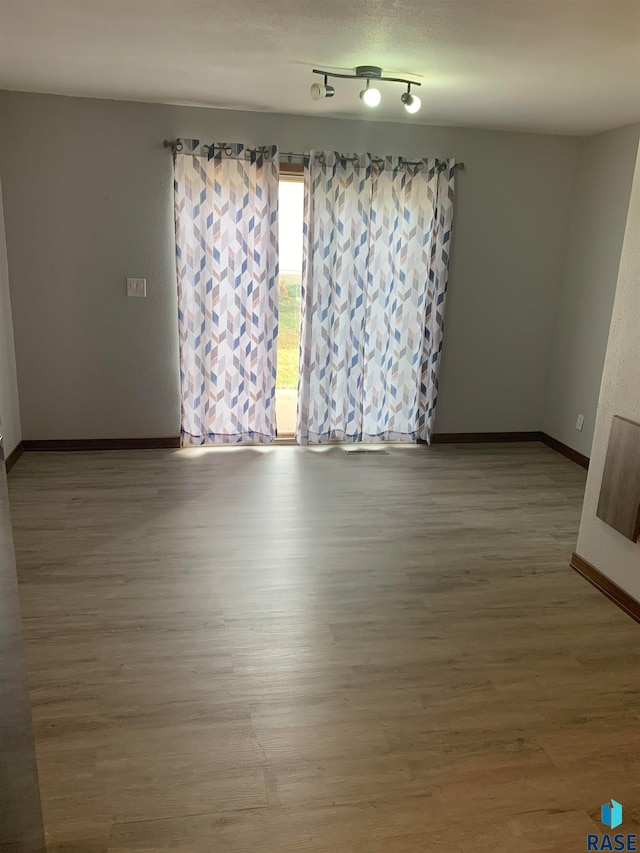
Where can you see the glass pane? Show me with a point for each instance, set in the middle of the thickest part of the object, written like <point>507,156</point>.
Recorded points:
<point>291,201</point>
<point>288,331</point>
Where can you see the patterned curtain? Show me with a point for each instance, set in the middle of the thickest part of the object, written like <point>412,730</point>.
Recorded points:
<point>226,208</point>
<point>377,237</point>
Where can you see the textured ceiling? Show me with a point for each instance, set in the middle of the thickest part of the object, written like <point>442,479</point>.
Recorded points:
<point>563,66</point>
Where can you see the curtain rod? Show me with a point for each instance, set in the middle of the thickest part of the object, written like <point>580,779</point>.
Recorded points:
<point>176,145</point>
<point>290,154</point>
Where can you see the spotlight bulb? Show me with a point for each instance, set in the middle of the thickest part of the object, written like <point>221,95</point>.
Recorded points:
<point>319,91</point>
<point>371,97</point>
<point>412,103</point>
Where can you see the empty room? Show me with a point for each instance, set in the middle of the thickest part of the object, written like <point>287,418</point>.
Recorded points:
<point>320,426</point>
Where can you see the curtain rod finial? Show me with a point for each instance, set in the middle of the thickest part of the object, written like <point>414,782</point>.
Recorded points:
<point>174,144</point>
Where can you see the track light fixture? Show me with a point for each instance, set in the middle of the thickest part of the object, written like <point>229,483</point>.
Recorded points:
<point>412,103</point>
<point>369,95</point>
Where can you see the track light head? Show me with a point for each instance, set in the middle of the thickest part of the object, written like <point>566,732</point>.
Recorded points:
<point>319,91</point>
<point>412,103</point>
<point>371,97</point>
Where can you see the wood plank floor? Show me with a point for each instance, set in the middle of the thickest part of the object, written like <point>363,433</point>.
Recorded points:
<point>272,650</point>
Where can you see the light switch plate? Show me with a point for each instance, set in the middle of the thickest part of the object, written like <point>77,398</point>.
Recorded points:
<point>580,422</point>
<point>136,287</point>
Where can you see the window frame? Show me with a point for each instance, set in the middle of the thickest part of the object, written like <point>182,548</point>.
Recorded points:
<point>291,171</point>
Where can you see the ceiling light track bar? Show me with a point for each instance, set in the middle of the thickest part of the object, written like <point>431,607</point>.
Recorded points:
<point>370,95</point>
<point>366,72</point>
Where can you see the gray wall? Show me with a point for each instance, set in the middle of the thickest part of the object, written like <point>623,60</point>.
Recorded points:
<point>598,220</point>
<point>9,406</point>
<point>602,546</point>
<point>88,201</point>
<point>20,813</point>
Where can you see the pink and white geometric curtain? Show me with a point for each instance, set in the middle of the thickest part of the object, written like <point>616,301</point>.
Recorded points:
<point>226,208</point>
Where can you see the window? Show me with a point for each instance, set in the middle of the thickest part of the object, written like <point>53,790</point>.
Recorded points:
<point>290,211</point>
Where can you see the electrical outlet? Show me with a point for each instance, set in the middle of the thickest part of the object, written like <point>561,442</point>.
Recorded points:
<point>137,287</point>
<point>580,422</point>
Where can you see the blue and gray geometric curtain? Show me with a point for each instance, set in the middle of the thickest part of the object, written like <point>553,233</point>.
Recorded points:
<point>226,209</point>
<point>377,235</point>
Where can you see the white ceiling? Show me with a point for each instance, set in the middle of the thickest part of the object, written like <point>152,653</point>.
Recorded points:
<point>561,66</point>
